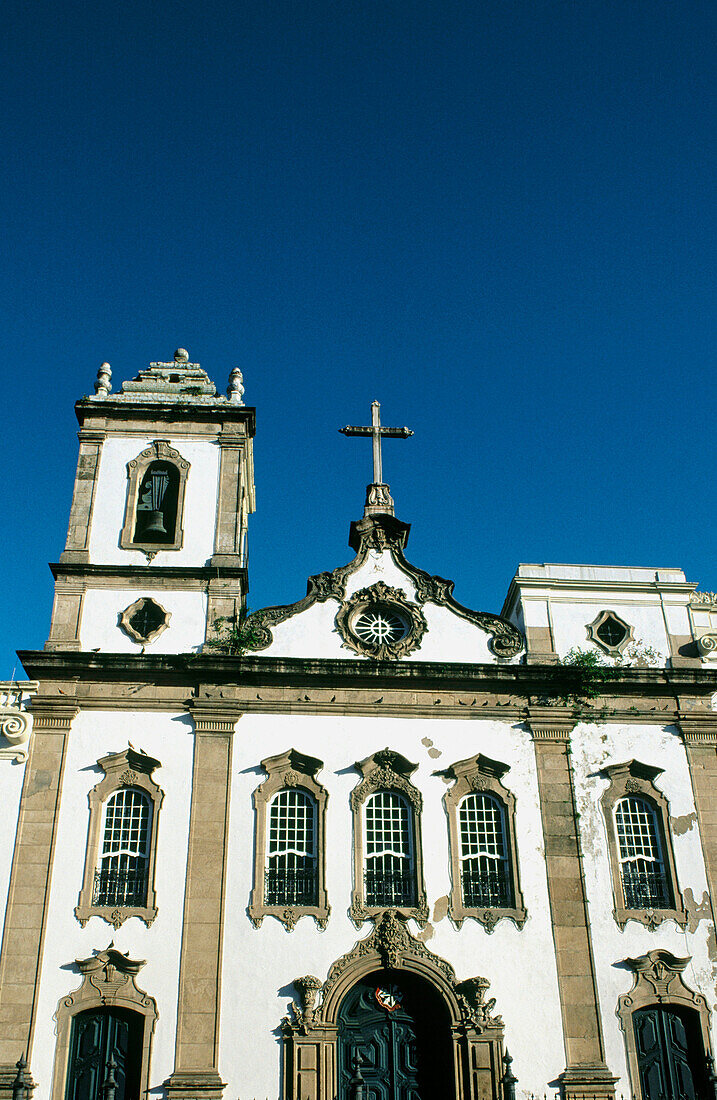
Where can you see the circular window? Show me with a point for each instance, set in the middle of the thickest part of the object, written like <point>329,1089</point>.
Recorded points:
<point>379,625</point>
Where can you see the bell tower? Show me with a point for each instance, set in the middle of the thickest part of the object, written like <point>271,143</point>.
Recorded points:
<point>156,544</point>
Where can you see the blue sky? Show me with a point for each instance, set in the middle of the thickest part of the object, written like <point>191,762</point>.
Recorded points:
<point>498,219</point>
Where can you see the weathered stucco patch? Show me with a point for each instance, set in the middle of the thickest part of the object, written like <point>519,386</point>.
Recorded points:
<point>697,910</point>
<point>433,753</point>
<point>426,933</point>
<point>440,909</point>
<point>680,825</point>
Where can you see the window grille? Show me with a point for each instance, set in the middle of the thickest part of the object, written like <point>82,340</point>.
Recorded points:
<point>645,882</point>
<point>122,876</point>
<point>291,876</point>
<point>390,873</point>
<point>485,868</point>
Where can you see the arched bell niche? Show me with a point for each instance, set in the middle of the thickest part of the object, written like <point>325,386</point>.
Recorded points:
<point>390,996</point>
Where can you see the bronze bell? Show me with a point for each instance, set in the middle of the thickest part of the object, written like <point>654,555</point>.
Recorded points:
<point>155,523</point>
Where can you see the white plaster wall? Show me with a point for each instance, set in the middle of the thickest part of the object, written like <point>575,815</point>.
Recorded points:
<point>94,734</point>
<point>594,747</point>
<point>101,607</point>
<point>200,502</point>
<point>260,965</point>
<point>313,633</point>
<point>571,615</point>
<point>12,773</point>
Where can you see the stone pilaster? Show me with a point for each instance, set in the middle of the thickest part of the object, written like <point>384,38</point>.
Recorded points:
<point>700,736</point>
<point>586,1073</point>
<point>233,478</point>
<point>196,1072</point>
<point>30,880</point>
<point>83,497</point>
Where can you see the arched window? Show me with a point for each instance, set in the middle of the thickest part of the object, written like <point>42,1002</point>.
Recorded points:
<point>486,880</point>
<point>290,843</point>
<point>645,882</point>
<point>122,874</point>
<point>291,876</point>
<point>390,866</point>
<point>481,813</point>
<point>157,482</point>
<point>637,820</point>
<point>157,504</point>
<point>121,852</point>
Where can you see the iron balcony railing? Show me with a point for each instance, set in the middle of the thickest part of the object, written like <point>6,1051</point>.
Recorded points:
<point>645,889</point>
<point>291,887</point>
<point>112,887</point>
<point>390,888</point>
<point>487,889</point>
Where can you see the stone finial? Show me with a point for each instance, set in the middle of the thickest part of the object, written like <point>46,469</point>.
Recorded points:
<point>181,355</point>
<point>235,389</point>
<point>103,385</point>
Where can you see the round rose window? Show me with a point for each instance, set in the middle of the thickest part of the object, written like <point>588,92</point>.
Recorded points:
<point>379,625</point>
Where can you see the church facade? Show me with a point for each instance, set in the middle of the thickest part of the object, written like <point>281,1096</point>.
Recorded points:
<point>371,845</point>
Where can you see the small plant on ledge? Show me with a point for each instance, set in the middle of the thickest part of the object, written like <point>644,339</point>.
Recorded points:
<point>234,635</point>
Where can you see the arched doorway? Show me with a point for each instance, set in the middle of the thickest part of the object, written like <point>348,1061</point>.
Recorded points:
<point>105,1047</point>
<point>670,1054</point>
<point>394,1030</point>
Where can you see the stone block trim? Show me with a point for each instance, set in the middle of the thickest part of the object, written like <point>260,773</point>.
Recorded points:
<point>586,1072</point>
<point>197,1047</point>
<point>26,916</point>
<point>700,737</point>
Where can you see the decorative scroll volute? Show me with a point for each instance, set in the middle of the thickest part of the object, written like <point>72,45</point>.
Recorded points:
<point>386,770</point>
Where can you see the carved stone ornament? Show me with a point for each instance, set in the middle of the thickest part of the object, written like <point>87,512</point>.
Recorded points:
<point>108,980</point>
<point>386,770</point>
<point>160,616</point>
<point>391,946</point>
<point>703,599</point>
<point>378,534</point>
<point>707,646</point>
<point>593,628</point>
<point>658,979</point>
<point>15,728</point>
<point>380,598</point>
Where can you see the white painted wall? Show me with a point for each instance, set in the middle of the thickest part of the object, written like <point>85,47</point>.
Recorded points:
<point>259,965</point>
<point>312,633</point>
<point>594,747</point>
<point>101,608</point>
<point>169,739</point>
<point>200,501</point>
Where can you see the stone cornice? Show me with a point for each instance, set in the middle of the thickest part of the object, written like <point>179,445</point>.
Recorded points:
<point>700,728</point>
<point>546,725</point>
<point>51,713</point>
<point>123,573</point>
<point>173,412</point>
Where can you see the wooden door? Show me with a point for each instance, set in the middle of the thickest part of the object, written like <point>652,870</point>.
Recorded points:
<point>670,1054</point>
<point>399,1037</point>
<point>96,1037</point>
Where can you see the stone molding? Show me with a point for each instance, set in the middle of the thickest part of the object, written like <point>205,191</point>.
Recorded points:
<point>379,533</point>
<point>479,774</point>
<point>386,770</point>
<point>657,978</point>
<point>376,595</point>
<point>592,632</point>
<point>312,1026</point>
<point>108,980</point>
<point>122,769</point>
<point>126,625</point>
<point>211,718</point>
<point>633,777</point>
<point>158,451</point>
<point>294,770</point>
<point>194,1085</point>
<point>545,725</point>
<point>699,728</point>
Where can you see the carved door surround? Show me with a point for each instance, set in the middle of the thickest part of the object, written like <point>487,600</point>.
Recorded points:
<point>311,1031</point>
<point>657,980</point>
<point>108,981</point>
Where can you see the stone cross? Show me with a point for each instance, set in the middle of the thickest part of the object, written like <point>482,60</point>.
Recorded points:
<point>376,431</point>
<point>378,497</point>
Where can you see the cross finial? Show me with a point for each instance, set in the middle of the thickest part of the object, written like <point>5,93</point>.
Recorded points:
<point>378,497</point>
